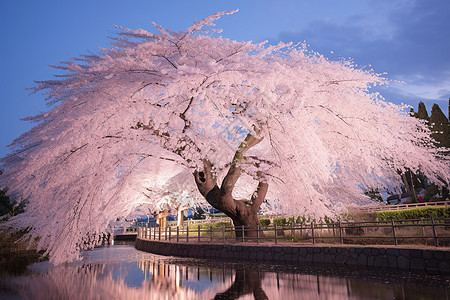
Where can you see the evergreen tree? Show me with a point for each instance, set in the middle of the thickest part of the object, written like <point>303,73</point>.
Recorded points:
<point>439,125</point>
<point>5,204</point>
<point>422,112</point>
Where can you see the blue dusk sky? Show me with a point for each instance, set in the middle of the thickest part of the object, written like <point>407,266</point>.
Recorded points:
<point>407,39</point>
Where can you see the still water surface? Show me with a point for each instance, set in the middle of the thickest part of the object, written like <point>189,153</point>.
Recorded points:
<point>122,272</point>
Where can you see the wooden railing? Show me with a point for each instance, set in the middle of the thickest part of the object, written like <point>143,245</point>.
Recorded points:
<point>401,206</point>
<point>424,231</point>
<point>124,230</point>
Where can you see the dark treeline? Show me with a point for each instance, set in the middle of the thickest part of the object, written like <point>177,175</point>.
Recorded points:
<point>439,126</point>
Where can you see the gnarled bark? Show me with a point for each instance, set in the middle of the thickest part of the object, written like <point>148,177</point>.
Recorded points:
<point>242,212</point>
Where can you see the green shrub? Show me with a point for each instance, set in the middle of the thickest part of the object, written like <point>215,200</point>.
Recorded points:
<point>279,221</point>
<point>291,220</point>
<point>207,226</point>
<point>414,213</point>
<point>220,224</point>
<point>300,220</point>
<point>264,222</point>
<point>431,191</point>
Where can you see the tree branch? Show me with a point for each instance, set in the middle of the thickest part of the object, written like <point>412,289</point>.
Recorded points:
<point>173,65</point>
<point>73,151</point>
<point>260,194</point>
<point>205,179</point>
<point>234,172</point>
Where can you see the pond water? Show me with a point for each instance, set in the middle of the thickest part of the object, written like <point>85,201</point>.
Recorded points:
<point>122,272</point>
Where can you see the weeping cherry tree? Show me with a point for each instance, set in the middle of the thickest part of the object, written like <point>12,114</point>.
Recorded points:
<point>247,122</point>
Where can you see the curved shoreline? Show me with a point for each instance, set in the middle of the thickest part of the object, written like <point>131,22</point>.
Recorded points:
<point>433,260</point>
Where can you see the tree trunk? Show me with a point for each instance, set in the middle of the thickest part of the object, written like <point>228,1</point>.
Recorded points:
<point>180,215</point>
<point>161,218</point>
<point>242,212</point>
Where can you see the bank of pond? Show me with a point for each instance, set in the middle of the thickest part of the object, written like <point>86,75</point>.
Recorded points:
<point>122,272</point>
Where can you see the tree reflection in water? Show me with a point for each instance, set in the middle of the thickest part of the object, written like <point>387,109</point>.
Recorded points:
<point>124,273</point>
<point>245,282</point>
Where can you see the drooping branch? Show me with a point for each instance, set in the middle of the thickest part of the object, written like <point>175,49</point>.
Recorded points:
<point>73,151</point>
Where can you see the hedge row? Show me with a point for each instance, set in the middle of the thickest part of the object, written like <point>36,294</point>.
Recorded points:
<point>278,221</point>
<point>264,222</point>
<point>207,226</point>
<point>414,213</point>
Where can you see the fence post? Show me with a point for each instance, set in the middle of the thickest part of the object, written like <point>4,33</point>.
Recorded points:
<point>210,232</point>
<point>276,234</point>
<point>198,232</point>
<point>178,233</point>
<point>243,233</point>
<point>223,233</point>
<point>165,233</point>
<point>187,234</point>
<point>159,232</point>
<point>423,226</point>
<point>436,243</point>
<point>170,232</point>
<point>393,233</point>
<point>341,240</point>
<point>312,232</point>
<point>257,234</point>
<point>292,231</point>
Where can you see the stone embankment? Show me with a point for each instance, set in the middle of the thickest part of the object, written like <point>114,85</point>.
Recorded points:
<point>436,260</point>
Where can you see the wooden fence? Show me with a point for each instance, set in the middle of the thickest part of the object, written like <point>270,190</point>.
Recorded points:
<point>424,231</point>
<point>401,206</point>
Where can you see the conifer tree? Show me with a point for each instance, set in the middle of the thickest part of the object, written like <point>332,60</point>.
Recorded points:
<point>439,126</point>
<point>422,112</point>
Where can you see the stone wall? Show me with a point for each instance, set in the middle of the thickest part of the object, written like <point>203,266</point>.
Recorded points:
<point>430,260</point>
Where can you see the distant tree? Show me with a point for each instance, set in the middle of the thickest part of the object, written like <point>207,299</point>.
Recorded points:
<point>237,117</point>
<point>199,213</point>
<point>5,204</point>
<point>440,127</point>
<point>422,112</point>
